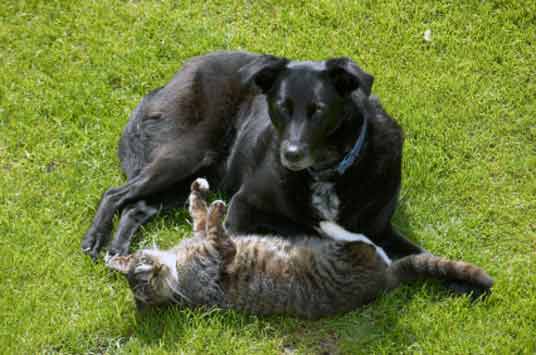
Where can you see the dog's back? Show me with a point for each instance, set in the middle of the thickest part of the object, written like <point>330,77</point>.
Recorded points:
<point>202,97</point>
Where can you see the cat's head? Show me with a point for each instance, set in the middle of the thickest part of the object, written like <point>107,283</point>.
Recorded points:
<point>151,274</point>
<point>188,275</point>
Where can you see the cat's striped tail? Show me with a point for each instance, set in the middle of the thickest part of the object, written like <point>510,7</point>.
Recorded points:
<point>427,266</point>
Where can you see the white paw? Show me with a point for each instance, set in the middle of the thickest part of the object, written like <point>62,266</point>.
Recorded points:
<point>336,232</point>
<point>202,184</point>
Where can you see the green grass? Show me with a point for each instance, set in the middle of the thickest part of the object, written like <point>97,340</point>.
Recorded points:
<point>72,71</point>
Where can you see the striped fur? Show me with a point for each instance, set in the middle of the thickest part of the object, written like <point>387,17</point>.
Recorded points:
<point>309,277</point>
<point>424,266</point>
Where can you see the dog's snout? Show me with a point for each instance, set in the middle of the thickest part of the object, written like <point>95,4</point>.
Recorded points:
<point>294,153</point>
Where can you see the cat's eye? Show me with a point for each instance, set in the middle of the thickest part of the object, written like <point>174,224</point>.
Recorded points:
<point>144,260</point>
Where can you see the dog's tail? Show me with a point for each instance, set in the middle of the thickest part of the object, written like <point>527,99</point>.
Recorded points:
<point>427,266</point>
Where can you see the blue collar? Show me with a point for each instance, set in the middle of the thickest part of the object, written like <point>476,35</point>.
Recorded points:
<point>349,159</point>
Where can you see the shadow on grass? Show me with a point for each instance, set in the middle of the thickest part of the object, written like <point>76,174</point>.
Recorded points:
<point>402,223</point>
<point>226,331</point>
<point>172,328</point>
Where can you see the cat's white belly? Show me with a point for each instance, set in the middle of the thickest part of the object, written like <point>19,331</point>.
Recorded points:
<point>325,201</point>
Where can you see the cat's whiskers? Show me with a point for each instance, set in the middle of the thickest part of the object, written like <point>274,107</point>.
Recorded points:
<point>139,293</point>
<point>176,292</point>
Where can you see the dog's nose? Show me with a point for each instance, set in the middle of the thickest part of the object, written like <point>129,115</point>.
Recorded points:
<point>294,153</point>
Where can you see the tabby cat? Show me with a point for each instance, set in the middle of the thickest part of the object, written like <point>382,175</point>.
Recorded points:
<point>308,277</point>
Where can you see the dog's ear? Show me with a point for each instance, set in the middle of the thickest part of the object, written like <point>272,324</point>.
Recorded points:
<point>263,71</point>
<point>348,77</point>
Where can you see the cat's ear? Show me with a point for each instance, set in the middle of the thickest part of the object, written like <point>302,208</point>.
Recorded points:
<point>119,263</point>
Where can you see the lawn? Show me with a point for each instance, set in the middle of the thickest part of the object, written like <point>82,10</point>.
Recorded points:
<point>71,71</point>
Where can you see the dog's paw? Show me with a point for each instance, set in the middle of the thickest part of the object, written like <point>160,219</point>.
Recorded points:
<point>92,243</point>
<point>87,244</point>
<point>200,185</point>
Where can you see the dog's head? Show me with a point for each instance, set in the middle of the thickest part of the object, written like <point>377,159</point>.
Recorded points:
<point>312,106</point>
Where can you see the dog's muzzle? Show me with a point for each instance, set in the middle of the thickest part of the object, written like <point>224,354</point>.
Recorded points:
<point>295,156</point>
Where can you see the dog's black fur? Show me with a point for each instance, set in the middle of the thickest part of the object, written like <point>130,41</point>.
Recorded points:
<point>262,128</point>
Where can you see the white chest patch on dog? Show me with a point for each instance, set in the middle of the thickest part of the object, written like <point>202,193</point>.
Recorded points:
<point>325,200</point>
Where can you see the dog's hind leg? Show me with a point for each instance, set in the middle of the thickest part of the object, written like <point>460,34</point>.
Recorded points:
<point>132,217</point>
<point>397,246</point>
<point>171,165</point>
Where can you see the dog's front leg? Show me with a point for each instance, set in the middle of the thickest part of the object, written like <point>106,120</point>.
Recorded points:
<point>247,217</point>
<point>101,227</point>
<point>173,163</point>
<point>132,217</point>
<point>238,214</point>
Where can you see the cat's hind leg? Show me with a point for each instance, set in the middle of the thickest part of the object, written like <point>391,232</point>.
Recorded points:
<point>216,233</point>
<point>216,214</point>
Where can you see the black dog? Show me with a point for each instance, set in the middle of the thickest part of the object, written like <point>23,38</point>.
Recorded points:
<point>292,142</point>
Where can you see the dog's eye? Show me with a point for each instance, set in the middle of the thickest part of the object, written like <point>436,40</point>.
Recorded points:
<point>314,108</point>
<point>286,107</point>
